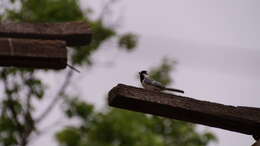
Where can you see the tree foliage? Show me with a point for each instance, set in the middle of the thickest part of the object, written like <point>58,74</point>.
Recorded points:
<point>23,87</point>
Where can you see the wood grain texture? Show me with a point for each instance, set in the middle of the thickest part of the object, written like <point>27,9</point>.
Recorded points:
<point>245,120</point>
<point>33,53</point>
<point>257,143</point>
<point>74,33</point>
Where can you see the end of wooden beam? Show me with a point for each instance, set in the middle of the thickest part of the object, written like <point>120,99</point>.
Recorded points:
<point>238,119</point>
<point>257,143</point>
<point>46,54</point>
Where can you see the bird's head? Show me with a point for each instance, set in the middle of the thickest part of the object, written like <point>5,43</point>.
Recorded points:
<point>143,73</point>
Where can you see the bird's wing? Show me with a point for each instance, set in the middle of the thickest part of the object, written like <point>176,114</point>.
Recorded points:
<point>153,83</point>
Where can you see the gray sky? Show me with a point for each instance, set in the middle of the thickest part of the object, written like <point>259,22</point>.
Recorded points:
<point>215,42</point>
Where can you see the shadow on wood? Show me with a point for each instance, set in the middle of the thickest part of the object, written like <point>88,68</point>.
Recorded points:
<point>245,120</point>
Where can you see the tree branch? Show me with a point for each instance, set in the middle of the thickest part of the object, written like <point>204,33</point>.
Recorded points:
<point>57,97</point>
<point>29,125</point>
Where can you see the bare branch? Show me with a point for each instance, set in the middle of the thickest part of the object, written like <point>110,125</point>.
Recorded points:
<point>106,9</point>
<point>29,94</point>
<point>58,96</point>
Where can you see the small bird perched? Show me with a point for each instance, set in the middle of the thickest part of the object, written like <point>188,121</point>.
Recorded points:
<point>153,85</point>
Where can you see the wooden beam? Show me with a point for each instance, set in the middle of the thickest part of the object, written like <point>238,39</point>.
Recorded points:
<point>74,33</point>
<point>33,53</point>
<point>239,119</point>
<point>257,143</point>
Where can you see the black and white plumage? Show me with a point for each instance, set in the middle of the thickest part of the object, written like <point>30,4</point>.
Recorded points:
<point>153,85</point>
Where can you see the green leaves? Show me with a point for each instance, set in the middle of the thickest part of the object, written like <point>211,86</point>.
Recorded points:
<point>69,137</point>
<point>101,33</point>
<point>77,108</point>
<point>128,41</point>
<point>8,140</point>
<point>47,11</point>
<point>6,124</point>
<point>37,89</point>
<point>15,103</point>
<point>161,73</point>
<point>8,131</point>
<point>124,128</point>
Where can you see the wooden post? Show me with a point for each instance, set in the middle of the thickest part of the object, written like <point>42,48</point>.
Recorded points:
<point>245,120</point>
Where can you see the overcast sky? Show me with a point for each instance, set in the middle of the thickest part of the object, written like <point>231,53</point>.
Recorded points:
<point>215,43</point>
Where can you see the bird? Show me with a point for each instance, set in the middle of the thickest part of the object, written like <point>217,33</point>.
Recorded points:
<point>153,85</point>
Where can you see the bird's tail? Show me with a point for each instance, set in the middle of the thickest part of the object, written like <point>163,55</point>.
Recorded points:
<point>175,90</point>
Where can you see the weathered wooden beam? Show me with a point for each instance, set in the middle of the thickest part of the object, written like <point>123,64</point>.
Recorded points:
<point>257,143</point>
<point>74,33</point>
<point>33,53</point>
<point>239,119</point>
